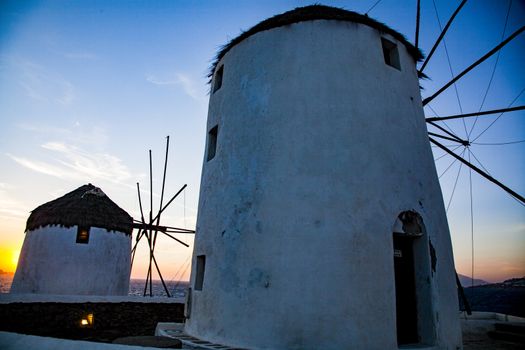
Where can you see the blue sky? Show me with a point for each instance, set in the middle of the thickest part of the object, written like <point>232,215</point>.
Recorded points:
<point>87,87</point>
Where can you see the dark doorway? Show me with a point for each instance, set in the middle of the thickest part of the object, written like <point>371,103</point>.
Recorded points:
<point>406,302</point>
<point>413,281</point>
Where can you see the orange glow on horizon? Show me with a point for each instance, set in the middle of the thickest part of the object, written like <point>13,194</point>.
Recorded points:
<point>9,259</point>
<point>14,259</point>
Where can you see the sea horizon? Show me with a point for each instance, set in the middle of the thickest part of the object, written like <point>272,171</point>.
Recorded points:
<point>136,286</point>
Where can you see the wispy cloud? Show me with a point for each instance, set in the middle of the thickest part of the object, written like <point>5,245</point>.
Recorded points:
<point>93,136</point>
<point>188,85</point>
<point>73,163</point>
<point>32,92</point>
<point>40,167</point>
<point>10,207</point>
<point>68,94</point>
<point>39,82</point>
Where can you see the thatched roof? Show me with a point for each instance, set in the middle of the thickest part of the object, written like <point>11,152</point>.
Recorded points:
<point>310,13</point>
<point>85,206</point>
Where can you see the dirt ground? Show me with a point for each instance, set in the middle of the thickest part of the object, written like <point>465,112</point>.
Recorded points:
<point>475,337</point>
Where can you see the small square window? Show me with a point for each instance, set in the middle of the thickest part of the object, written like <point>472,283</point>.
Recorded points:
<point>390,53</point>
<point>83,234</point>
<point>199,278</point>
<point>217,83</point>
<point>212,143</point>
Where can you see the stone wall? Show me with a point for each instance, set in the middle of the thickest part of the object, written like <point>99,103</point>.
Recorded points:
<point>111,320</point>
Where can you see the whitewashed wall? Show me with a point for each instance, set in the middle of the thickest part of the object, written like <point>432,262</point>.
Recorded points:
<point>320,146</point>
<point>51,262</point>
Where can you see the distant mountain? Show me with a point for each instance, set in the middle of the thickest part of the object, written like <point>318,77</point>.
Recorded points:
<point>507,297</point>
<point>514,282</point>
<point>466,281</point>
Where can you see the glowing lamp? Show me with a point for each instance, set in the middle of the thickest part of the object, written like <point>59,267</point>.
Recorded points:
<point>87,321</point>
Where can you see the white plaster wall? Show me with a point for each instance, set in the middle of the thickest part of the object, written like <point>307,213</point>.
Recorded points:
<point>51,262</point>
<point>320,146</point>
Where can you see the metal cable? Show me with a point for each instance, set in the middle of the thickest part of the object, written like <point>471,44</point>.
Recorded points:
<point>485,169</point>
<point>446,154</point>
<point>499,116</point>
<point>183,272</point>
<point>445,171</point>
<point>493,70</point>
<point>481,165</point>
<point>450,68</point>
<point>498,143</point>
<point>442,121</point>
<point>471,221</point>
<point>374,5</point>
<point>455,184</point>
<point>180,268</point>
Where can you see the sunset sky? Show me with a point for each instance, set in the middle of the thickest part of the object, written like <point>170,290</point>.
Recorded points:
<point>88,87</point>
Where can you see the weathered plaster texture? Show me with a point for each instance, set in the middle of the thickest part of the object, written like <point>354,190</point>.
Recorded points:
<point>51,262</point>
<point>321,145</point>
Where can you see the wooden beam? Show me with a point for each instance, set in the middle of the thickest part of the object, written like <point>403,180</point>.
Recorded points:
<point>436,44</point>
<point>178,240</point>
<point>472,66</point>
<point>466,115</point>
<point>464,143</point>
<point>163,185</point>
<point>447,132</point>
<point>161,278</point>
<point>152,227</point>
<point>171,200</point>
<point>481,172</point>
<point>144,226</point>
<point>418,15</point>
